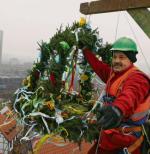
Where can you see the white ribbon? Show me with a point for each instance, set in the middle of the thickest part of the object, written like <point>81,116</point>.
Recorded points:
<point>46,125</point>
<point>76,31</point>
<point>26,138</point>
<point>22,91</point>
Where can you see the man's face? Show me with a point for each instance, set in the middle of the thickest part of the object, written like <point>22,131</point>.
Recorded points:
<point>120,61</point>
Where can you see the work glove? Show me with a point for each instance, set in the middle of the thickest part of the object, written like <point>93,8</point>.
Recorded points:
<point>110,117</point>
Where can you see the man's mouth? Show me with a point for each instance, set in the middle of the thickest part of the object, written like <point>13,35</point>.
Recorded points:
<point>117,65</point>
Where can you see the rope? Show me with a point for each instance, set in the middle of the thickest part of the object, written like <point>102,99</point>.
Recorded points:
<point>99,139</point>
<point>118,18</point>
<point>108,84</point>
<point>116,32</point>
<point>88,18</point>
<point>144,131</point>
<point>148,66</point>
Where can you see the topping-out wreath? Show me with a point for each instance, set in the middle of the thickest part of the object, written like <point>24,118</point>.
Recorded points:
<point>57,95</point>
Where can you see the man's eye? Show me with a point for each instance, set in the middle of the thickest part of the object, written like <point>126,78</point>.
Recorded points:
<point>122,57</point>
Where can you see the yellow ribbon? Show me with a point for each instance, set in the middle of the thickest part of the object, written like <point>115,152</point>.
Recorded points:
<point>53,136</point>
<point>41,142</point>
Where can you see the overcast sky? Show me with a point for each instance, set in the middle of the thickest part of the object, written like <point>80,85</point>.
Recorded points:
<point>26,22</point>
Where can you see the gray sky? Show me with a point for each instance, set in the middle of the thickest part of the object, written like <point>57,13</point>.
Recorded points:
<point>26,22</point>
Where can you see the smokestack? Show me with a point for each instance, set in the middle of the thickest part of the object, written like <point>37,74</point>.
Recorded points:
<point>1,43</point>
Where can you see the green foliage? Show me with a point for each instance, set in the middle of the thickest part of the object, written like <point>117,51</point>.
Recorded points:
<point>105,53</point>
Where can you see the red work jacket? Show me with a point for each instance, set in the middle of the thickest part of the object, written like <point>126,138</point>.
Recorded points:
<point>133,91</point>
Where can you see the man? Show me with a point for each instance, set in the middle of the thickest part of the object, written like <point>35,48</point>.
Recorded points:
<point>126,102</point>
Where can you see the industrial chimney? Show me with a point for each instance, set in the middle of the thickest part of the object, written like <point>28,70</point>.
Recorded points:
<point>1,43</point>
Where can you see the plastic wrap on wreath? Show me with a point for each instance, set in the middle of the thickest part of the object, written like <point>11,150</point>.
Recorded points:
<point>99,87</point>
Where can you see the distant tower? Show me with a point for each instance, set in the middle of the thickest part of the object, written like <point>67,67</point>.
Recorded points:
<point>1,43</point>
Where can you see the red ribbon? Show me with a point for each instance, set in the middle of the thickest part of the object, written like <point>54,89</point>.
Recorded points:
<point>52,79</point>
<point>72,77</point>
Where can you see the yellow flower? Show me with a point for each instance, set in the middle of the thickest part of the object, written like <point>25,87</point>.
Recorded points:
<point>27,81</point>
<point>58,97</point>
<point>24,82</point>
<point>82,21</point>
<point>84,77</point>
<point>50,105</point>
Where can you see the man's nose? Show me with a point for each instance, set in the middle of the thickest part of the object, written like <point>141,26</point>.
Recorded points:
<point>116,59</point>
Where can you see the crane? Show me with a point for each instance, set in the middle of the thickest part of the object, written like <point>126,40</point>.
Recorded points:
<point>138,10</point>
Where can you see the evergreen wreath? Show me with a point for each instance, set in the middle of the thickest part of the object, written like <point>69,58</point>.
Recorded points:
<point>53,98</point>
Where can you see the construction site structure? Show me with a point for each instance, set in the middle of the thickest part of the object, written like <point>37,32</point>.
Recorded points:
<point>138,10</point>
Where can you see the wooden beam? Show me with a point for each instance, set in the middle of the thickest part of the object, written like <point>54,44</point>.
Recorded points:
<point>103,6</point>
<point>142,18</point>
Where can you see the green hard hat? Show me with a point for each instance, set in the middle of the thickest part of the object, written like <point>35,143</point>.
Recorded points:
<point>124,44</point>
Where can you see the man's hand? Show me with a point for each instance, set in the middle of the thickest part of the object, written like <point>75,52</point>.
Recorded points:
<point>111,117</point>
